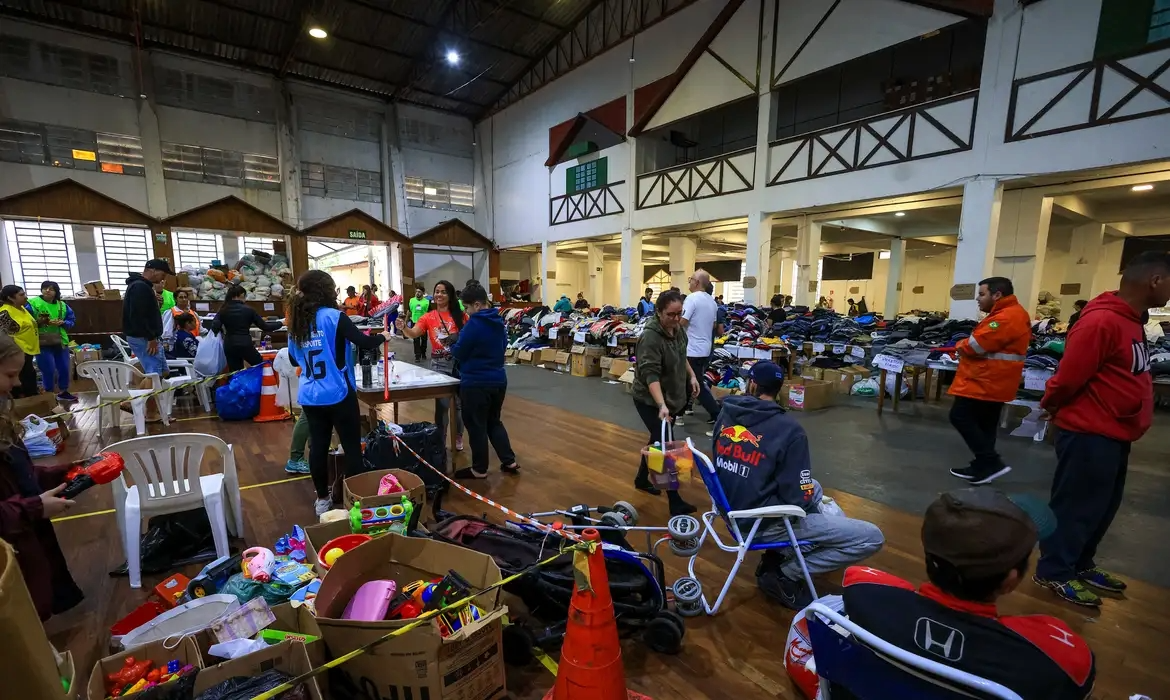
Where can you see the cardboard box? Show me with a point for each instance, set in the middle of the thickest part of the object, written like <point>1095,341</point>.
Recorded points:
<point>619,366</point>
<point>720,393</point>
<point>364,488</point>
<point>467,665</point>
<point>585,365</point>
<point>186,653</point>
<point>561,364</point>
<point>95,289</point>
<point>548,356</point>
<point>34,673</point>
<point>606,363</point>
<point>841,379</point>
<point>811,372</point>
<point>810,395</point>
<point>510,355</point>
<point>317,535</point>
<point>300,624</point>
<point>524,357</point>
<point>289,657</point>
<point>112,295</point>
<point>80,356</point>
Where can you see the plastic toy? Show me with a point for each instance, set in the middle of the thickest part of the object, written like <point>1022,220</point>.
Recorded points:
<point>383,519</point>
<point>371,601</point>
<point>139,616</point>
<point>131,672</point>
<point>344,543</point>
<point>172,589</point>
<point>213,576</point>
<point>389,485</point>
<point>272,636</point>
<point>292,545</point>
<point>333,555</point>
<point>258,564</point>
<point>293,574</point>
<point>102,468</point>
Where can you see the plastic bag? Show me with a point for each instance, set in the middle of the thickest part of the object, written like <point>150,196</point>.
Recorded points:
<point>866,387</point>
<point>210,359</point>
<point>245,687</point>
<point>384,452</point>
<point>798,653</point>
<point>41,438</point>
<point>239,399</point>
<point>172,540</point>
<point>244,589</point>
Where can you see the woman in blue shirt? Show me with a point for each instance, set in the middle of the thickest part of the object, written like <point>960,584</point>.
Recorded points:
<point>319,339</point>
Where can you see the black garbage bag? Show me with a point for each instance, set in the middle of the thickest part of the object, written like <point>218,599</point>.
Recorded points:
<point>174,540</point>
<point>243,687</point>
<point>384,452</point>
<point>182,689</point>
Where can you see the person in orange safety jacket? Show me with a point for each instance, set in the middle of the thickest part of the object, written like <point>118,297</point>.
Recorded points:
<point>991,363</point>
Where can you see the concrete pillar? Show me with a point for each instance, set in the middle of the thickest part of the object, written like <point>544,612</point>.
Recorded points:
<point>1108,276</point>
<point>596,275</point>
<point>548,273</point>
<point>775,275</point>
<point>756,261</point>
<point>631,267</point>
<point>393,175</point>
<point>682,261</point>
<point>1022,243</point>
<point>808,258</point>
<point>156,191</point>
<point>764,127</point>
<point>288,159</point>
<point>978,230</point>
<point>1083,257</point>
<point>894,278</point>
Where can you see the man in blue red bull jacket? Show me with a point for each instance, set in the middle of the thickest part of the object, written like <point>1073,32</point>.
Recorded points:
<point>762,459</point>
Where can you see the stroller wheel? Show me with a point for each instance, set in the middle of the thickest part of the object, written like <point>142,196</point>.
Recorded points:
<point>612,519</point>
<point>662,636</point>
<point>688,597</point>
<point>628,511</point>
<point>684,535</point>
<point>518,643</point>
<point>675,619</point>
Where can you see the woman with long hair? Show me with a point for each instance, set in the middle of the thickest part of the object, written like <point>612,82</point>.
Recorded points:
<point>53,317</point>
<point>235,320</point>
<point>442,325</point>
<point>663,379</point>
<point>29,500</point>
<point>320,340</point>
<point>16,321</point>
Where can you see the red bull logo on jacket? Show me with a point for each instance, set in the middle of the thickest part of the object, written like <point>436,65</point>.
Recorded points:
<point>738,433</point>
<point>738,448</point>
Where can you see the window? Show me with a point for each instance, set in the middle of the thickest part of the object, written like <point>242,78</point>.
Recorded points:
<point>64,147</point>
<point>219,167</point>
<point>21,142</point>
<point>436,194</point>
<point>733,291</point>
<point>120,154</point>
<point>71,148</point>
<point>197,249</point>
<point>587,176</point>
<point>1127,27</point>
<point>261,171</point>
<point>42,251</point>
<point>1160,22</point>
<point>340,182</point>
<point>121,251</point>
<point>250,243</point>
<point>659,282</point>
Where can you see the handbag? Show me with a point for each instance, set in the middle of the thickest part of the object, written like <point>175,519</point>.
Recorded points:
<point>52,337</point>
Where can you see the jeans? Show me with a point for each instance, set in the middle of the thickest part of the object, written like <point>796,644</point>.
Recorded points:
<point>649,416</point>
<point>482,406</point>
<point>54,364</point>
<point>345,418</point>
<point>835,541</point>
<point>150,363</point>
<point>300,438</point>
<point>1086,493</point>
<point>978,423</point>
<point>706,400</point>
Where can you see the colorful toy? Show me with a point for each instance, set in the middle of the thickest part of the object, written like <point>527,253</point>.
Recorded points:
<point>258,564</point>
<point>102,468</point>
<point>344,543</point>
<point>333,555</point>
<point>272,636</point>
<point>389,485</point>
<point>213,576</point>
<point>292,545</point>
<point>382,519</point>
<point>371,601</point>
<point>172,589</point>
<point>293,574</point>
<point>131,672</point>
<point>139,616</point>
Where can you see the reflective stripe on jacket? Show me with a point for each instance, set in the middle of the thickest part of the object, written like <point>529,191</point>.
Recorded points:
<point>991,361</point>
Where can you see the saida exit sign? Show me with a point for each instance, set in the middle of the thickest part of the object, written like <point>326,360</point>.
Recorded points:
<point>357,234</point>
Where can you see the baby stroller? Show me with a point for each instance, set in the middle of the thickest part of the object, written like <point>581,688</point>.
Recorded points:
<point>636,582</point>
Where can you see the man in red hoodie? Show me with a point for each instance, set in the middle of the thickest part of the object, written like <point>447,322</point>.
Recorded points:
<point>1102,399</point>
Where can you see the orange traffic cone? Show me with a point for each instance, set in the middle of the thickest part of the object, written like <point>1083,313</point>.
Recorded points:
<point>591,658</point>
<point>269,411</point>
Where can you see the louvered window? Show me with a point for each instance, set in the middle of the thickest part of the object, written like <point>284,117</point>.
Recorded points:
<point>121,251</point>
<point>71,148</point>
<point>340,182</point>
<point>261,171</point>
<point>120,154</point>
<point>436,194</point>
<point>219,167</point>
<point>42,251</point>
<point>197,249</point>
<point>22,142</point>
<point>251,243</point>
<point>414,191</point>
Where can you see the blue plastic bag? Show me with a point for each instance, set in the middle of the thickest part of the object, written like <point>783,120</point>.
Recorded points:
<point>239,399</point>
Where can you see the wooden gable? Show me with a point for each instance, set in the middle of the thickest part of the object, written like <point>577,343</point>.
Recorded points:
<point>363,226</point>
<point>231,214</point>
<point>453,232</point>
<point>69,200</point>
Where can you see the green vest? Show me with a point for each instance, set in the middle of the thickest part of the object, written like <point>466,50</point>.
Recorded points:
<point>168,301</point>
<point>55,310</point>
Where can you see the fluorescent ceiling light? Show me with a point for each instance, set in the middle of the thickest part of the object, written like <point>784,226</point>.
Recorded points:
<point>1142,188</point>
<point>430,191</point>
<point>899,213</point>
<point>453,57</point>
<point>318,33</point>
<point>883,255</point>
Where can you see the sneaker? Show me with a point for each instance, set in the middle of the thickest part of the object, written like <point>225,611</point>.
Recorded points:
<point>469,473</point>
<point>1073,591</point>
<point>978,476</point>
<point>513,468</point>
<point>296,466</point>
<point>689,412</point>
<point>710,433</point>
<point>678,421</point>
<point>321,506</point>
<point>66,396</point>
<point>1102,580</point>
<point>648,488</point>
<point>459,443</point>
<point>793,595</point>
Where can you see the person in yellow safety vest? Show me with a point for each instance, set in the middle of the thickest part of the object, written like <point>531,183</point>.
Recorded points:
<point>991,363</point>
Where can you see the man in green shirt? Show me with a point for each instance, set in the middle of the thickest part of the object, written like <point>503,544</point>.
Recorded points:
<point>419,305</point>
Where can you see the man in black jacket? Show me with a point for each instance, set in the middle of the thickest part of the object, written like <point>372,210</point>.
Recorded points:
<point>142,319</point>
<point>762,459</point>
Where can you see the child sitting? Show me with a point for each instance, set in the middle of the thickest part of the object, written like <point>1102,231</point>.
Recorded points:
<point>186,344</point>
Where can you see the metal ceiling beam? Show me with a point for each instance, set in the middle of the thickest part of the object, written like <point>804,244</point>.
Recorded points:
<point>432,35</point>
<point>503,5</point>
<point>301,9</point>
<point>439,28</point>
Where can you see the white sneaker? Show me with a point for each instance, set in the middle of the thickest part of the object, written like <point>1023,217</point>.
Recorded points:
<point>678,421</point>
<point>322,506</point>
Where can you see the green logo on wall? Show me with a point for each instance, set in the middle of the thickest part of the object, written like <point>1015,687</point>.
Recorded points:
<point>357,235</point>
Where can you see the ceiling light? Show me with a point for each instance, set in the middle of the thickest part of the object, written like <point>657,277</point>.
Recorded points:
<point>899,213</point>
<point>318,33</point>
<point>1142,188</point>
<point>453,57</point>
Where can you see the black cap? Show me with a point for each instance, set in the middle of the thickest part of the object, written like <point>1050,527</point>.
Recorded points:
<point>767,375</point>
<point>160,265</point>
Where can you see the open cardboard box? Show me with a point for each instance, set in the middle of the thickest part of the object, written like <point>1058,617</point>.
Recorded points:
<point>364,488</point>
<point>289,657</point>
<point>468,665</point>
<point>316,536</point>
<point>35,672</point>
<point>808,394</point>
<point>187,652</point>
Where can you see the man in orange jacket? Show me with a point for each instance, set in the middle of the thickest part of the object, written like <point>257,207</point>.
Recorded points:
<point>991,363</point>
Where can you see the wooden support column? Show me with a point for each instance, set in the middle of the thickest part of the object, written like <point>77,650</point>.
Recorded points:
<point>407,269</point>
<point>299,255</point>
<point>161,247</point>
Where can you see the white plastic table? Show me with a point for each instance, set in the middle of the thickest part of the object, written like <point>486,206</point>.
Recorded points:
<point>408,383</point>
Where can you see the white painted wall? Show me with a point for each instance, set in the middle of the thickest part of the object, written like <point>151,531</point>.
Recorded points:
<point>933,274</point>
<point>442,149</point>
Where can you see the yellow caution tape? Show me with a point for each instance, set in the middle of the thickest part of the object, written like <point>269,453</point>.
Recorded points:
<point>152,394</point>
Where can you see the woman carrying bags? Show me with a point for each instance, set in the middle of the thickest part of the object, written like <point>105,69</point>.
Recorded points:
<point>16,321</point>
<point>662,381</point>
<point>53,317</point>
<point>442,327</point>
<point>319,342</point>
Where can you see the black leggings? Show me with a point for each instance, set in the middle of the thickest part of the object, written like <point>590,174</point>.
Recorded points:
<point>28,380</point>
<point>346,419</point>
<point>237,355</point>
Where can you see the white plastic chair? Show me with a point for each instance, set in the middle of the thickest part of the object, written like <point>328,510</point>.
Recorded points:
<point>118,381</point>
<point>169,477</point>
<point>183,367</point>
<point>736,521</point>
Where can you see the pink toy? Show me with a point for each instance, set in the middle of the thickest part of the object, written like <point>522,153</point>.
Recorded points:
<point>388,485</point>
<point>258,564</point>
<point>371,601</point>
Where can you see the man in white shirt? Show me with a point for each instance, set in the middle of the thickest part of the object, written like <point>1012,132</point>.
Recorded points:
<point>699,311</point>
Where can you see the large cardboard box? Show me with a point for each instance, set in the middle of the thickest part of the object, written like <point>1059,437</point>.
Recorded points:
<point>467,665</point>
<point>300,622</point>
<point>524,357</point>
<point>619,366</point>
<point>810,395</point>
<point>606,363</point>
<point>587,361</point>
<point>186,652</point>
<point>95,288</point>
<point>34,673</point>
<point>841,379</point>
<point>562,362</point>
<point>548,356</point>
<point>289,657</point>
<point>364,488</point>
<point>810,372</point>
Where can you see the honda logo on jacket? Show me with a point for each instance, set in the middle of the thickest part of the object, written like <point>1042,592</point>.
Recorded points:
<point>936,638</point>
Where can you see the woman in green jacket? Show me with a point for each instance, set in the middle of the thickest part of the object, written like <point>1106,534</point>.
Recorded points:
<point>418,306</point>
<point>53,317</point>
<point>662,381</point>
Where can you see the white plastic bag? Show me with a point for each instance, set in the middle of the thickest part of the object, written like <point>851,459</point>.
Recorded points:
<point>168,320</point>
<point>41,439</point>
<point>831,507</point>
<point>210,358</point>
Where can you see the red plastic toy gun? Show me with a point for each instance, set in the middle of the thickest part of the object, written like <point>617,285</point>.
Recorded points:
<point>102,468</point>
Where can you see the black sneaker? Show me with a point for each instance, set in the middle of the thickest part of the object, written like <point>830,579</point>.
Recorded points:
<point>979,475</point>
<point>793,595</point>
<point>469,473</point>
<point>648,488</point>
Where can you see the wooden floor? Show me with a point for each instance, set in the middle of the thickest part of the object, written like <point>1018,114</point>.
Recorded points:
<point>737,654</point>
